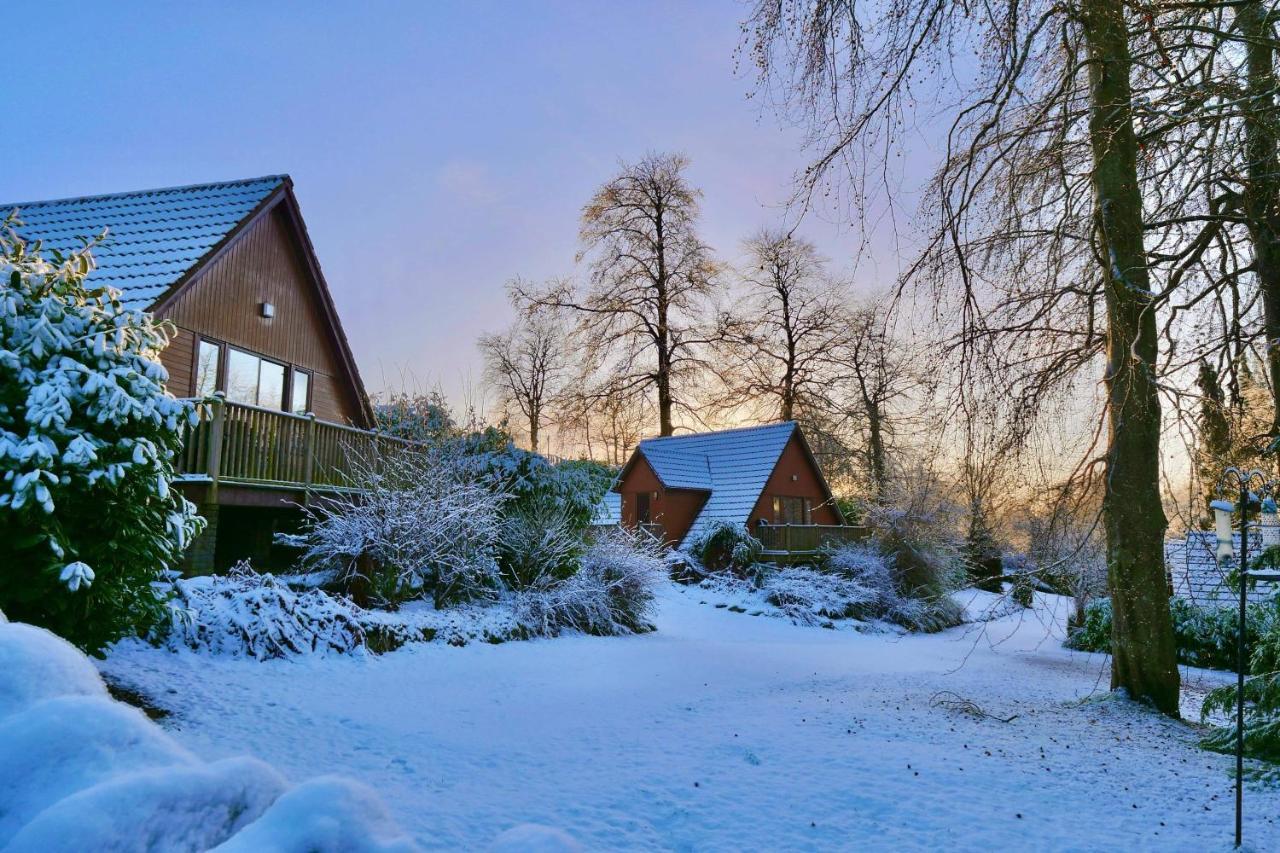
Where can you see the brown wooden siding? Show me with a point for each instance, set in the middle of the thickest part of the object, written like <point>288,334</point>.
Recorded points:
<point>673,509</point>
<point>178,358</point>
<point>793,477</point>
<point>264,264</point>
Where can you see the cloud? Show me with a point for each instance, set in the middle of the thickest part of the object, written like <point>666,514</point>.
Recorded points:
<point>469,182</point>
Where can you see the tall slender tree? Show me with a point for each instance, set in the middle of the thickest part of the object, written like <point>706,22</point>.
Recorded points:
<point>1041,173</point>
<point>641,314</point>
<point>775,347</point>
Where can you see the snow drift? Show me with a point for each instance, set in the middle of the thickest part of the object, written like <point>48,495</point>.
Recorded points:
<point>84,772</point>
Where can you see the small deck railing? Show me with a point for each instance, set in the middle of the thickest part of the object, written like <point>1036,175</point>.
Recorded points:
<point>241,444</point>
<point>806,538</point>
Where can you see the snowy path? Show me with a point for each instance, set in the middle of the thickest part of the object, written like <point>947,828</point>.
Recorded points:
<point>724,731</point>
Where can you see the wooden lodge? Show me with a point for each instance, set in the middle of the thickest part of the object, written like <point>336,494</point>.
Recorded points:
<point>231,266</point>
<point>763,477</point>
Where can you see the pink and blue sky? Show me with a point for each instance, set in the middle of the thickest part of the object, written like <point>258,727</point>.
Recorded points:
<point>438,149</point>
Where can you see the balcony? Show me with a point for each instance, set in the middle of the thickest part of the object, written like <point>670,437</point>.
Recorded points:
<point>787,541</point>
<point>237,444</point>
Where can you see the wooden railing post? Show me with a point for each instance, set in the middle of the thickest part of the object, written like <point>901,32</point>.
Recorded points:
<point>213,461</point>
<point>308,450</point>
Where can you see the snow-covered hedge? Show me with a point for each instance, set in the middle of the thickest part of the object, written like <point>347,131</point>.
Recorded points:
<point>856,582</point>
<point>244,614</point>
<point>612,592</point>
<point>87,441</point>
<point>83,772</point>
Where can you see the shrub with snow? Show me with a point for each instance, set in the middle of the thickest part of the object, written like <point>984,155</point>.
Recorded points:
<point>809,596</point>
<point>612,592</point>
<point>1261,699</point>
<point>539,545</point>
<point>865,564</point>
<point>245,614</point>
<point>87,441</point>
<point>422,523</point>
<point>83,772</point>
<point>725,546</point>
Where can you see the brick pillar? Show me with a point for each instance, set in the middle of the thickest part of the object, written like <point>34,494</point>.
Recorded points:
<point>199,559</point>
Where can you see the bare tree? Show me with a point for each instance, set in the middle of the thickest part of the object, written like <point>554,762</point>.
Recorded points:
<point>775,345</point>
<point>650,273</point>
<point>605,423</point>
<point>874,378</point>
<point>1042,172</point>
<point>526,363</point>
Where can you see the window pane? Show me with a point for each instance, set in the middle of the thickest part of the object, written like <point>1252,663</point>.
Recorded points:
<point>242,376</point>
<point>270,385</point>
<point>301,385</point>
<point>207,369</point>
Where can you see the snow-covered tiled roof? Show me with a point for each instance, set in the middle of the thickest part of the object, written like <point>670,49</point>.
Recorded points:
<point>732,464</point>
<point>608,510</point>
<point>153,236</point>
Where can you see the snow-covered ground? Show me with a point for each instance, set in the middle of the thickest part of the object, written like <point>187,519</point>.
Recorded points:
<point>724,731</point>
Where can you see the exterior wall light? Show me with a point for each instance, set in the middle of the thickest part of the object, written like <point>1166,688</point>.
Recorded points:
<point>267,310</point>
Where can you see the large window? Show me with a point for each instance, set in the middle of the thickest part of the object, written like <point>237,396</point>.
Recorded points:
<point>247,377</point>
<point>792,511</point>
<point>208,361</point>
<point>253,379</point>
<point>300,392</point>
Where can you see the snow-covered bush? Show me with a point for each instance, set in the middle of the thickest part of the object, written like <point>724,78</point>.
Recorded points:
<point>420,522</point>
<point>529,480</point>
<point>863,563</point>
<point>811,596</point>
<point>539,545</point>
<point>612,592</point>
<point>725,546</point>
<point>245,614</point>
<point>916,531</point>
<point>87,440</point>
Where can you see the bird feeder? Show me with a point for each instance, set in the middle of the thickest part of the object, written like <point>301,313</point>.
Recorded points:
<point>1222,511</point>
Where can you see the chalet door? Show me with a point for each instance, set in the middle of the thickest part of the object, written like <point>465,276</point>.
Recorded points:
<point>642,508</point>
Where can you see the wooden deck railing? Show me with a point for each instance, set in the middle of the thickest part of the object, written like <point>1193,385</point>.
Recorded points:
<point>806,538</point>
<point>240,444</point>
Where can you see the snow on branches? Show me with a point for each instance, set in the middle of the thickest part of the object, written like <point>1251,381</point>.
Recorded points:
<point>87,440</point>
<point>417,514</point>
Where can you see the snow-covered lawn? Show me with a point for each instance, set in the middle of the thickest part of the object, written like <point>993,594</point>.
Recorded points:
<point>725,731</point>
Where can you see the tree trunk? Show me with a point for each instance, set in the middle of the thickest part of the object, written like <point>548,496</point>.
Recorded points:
<point>1143,658</point>
<point>1262,187</point>
<point>875,447</point>
<point>533,433</point>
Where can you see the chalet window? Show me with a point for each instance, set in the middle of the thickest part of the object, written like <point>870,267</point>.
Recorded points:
<point>792,510</point>
<point>253,379</point>
<point>300,392</point>
<point>208,362</point>
<point>642,508</point>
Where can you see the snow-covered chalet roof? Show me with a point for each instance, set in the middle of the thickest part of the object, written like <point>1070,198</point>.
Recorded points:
<point>154,237</point>
<point>732,464</point>
<point>608,510</point>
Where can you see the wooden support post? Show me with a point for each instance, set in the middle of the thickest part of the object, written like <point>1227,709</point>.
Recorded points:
<point>213,462</point>
<point>308,453</point>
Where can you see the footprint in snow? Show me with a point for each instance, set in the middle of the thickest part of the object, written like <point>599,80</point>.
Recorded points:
<point>751,758</point>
